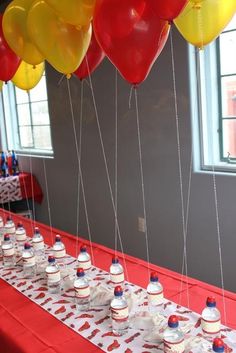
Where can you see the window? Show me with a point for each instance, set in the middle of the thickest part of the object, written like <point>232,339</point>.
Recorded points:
<point>213,102</point>
<point>25,121</point>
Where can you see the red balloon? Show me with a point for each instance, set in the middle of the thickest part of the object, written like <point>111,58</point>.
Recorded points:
<point>92,60</point>
<point>9,61</point>
<point>131,35</point>
<point>169,9</point>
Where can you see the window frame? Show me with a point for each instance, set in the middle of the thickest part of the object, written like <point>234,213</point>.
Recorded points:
<point>206,110</point>
<point>10,136</point>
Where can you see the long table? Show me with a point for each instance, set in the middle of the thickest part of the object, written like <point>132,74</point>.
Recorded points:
<point>26,328</point>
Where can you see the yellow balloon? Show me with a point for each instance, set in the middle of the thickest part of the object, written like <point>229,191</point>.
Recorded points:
<point>202,21</point>
<point>28,76</point>
<point>1,84</point>
<point>75,12</point>
<point>16,34</point>
<point>63,45</point>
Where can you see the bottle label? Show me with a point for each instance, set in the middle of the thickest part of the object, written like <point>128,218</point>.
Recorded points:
<point>82,292</point>
<point>29,261</point>
<point>177,347</point>
<point>85,265</point>
<point>59,253</point>
<point>117,278</point>
<point>210,327</point>
<point>20,236</point>
<point>155,298</point>
<point>53,276</point>
<point>10,229</point>
<point>120,314</point>
<point>8,252</point>
<point>38,245</point>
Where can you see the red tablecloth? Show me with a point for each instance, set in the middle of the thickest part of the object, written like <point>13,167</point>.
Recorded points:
<point>26,328</point>
<point>30,187</point>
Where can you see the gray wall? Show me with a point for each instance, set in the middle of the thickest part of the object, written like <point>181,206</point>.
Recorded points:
<point>160,163</point>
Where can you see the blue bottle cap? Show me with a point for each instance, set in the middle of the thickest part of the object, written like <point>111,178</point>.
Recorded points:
<point>27,246</point>
<point>218,345</point>
<point>115,260</point>
<point>154,277</point>
<point>6,237</point>
<point>118,292</point>
<point>83,248</point>
<point>211,302</point>
<point>80,272</point>
<point>58,238</point>
<point>36,230</point>
<point>173,321</point>
<point>51,259</point>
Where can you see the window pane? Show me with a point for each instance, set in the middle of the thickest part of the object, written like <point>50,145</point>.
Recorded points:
<point>229,138</point>
<point>40,113</point>
<point>42,137</point>
<point>227,53</point>
<point>26,138</point>
<point>228,88</point>
<point>23,114</point>
<point>21,96</point>
<point>39,93</point>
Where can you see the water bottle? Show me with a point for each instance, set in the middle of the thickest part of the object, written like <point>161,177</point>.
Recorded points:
<point>53,276</point>
<point>39,249</point>
<point>210,320</point>
<point>84,259</point>
<point>173,337</point>
<point>82,291</point>
<point>29,263</point>
<point>59,251</point>
<point>119,312</point>
<point>4,167</point>
<point>10,228</point>
<point>15,164</point>
<point>218,345</point>
<point>8,251</point>
<point>20,237</point>
<point>155,294</point>
<point>116,272</point>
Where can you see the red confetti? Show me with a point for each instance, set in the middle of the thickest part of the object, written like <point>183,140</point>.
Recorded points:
<point>41,289</point>
<point>99,278</point>
<point>108,334</point>
<point>131,338</point>
<point>182,318</point>
<point>85,316</point>
<point>84,327</point>
<point>228,349</point>
<point>46,301</point>
<point>151,346</point>
<point>198,323</point>
<point>128,351</point>
<point>61,310</point>
<point>21,284</point>
<point>40,296</point>
<point>102,320</point>
<point>62,301</point>
<point>113,346</point>
<point>93,334</point>
<point>67,317</point>
<point>30,287</point>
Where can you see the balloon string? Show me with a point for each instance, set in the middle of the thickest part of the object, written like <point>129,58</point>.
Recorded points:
<point>48,201</point>
<point>61,79</point>
<point>142,180</point>
<point>80,171</point>
<point>108,176</point>
<point>116,155</point>
<point>28,206</point>
<point>80,152</point>
<point>130,95</point>
<point>180,164</point>
<point>32,188</point>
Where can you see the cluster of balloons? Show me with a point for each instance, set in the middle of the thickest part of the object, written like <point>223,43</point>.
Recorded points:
<point>74,36</point>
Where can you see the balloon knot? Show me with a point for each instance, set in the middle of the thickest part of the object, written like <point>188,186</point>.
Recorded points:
<point>68,76</point>
<point>34,67</point>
